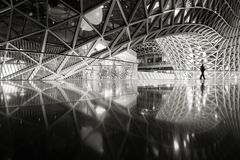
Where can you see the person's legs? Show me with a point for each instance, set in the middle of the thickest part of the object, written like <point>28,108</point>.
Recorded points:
<point>201,75</point>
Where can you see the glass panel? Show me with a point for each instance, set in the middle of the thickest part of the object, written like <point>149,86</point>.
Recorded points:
<point>22,25</point>
<point>76,4</point>
<point>87,4</point>
<point>116,20</point>
<point>31,43</point>
<point>97,17</point>
<point>66,31</point>
<point>133,28</point>
<point>142,31</point>
<point>54,45</point>
<point>128,7</point>
<point>58,12</point>
<point>4,24</point>
<point>41,74</point>
<point>55,63</point>
<point>140,13</point>
<point>123,38</point>
<point>86,33</point>
<point>111,37</point>
<point>36,10</point>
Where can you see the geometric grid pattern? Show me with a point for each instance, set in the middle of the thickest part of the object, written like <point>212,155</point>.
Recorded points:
<point>192,105</point>
<point>47,39</point>
<point>86,114</point>
<point>189,51</point>
<point>151,47</point>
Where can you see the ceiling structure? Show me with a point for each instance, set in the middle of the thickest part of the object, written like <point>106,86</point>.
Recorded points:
<point>55,39</point>
<point>147,48</point>
<point>189,51</point>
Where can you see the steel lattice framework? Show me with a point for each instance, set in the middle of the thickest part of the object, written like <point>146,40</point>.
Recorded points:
<point>47,39</point>
<point>151,47</point>
<point>188,51</point>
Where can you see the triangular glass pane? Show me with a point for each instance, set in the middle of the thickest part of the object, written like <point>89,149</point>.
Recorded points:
<point>199,3</point>
<point>142,31</point>
<point>124,38</point>
<point>30,43</point>
<point>2,53</point>
<point>14,62</point>
<point>35,9</point>
<point>66,31</point>
<point>111,37</point>
<point>140,13</point>
<point>167,19</point>
<point>179,4</point>
<point>23,76</point>
<point>26,55</point>
<point>22,25</point>
<point>133,28</point>
<point>54,45</point>
<point>55,63</point>
<point>155,23</point>
<point>168,5</point>
<point>72,61</point>
<point>41,74</point>
<point>4,6</point>
<point>128,7</point>
<point>58,12</point>
<point>116,19</point>
<point>4,24</point>
<point>48,57</point>
<point>87,4</point>
<point>78,76</point>
<point>97,17</point>
<point>101,45</point>
<point>83,50</point>
<point>86,33</point>
<point>15,2</point>
<point>156,8</point>
<point>76,4</point>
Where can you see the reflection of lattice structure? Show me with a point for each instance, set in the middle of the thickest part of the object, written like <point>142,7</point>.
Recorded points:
<point>192,105</point>
<point>35,34</point>
<point>100,124</point>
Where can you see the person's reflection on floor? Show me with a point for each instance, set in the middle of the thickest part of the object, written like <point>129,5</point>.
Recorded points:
<point>202,87</point>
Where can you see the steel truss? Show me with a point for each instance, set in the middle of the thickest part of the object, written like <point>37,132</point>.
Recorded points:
<point>100,29</point>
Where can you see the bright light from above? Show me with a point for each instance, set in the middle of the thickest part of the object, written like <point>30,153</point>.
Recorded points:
<point>175,145</point>
<point>94,17</point>
<point>100,47</point>
<point>100,110</point>
<point>184,144</point>
<point>156,5</point>
<point>216,116</point>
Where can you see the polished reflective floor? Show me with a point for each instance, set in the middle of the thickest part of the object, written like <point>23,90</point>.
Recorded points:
<point>120,120</point>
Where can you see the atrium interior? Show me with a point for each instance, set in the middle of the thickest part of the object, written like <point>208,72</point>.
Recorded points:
<point>120,79</point>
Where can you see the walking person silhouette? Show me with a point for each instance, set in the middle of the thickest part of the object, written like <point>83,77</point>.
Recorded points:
<point>202,69</point>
